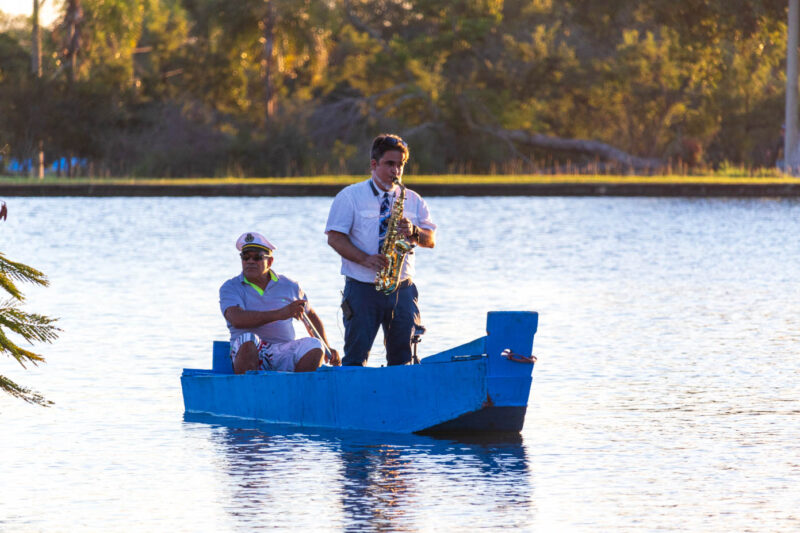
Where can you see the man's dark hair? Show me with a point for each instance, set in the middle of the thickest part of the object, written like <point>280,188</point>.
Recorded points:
<point>386,142</point>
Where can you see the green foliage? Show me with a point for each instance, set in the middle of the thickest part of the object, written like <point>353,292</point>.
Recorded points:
<point>652,91</point>
<point>30,327</point>
<point>277,87</point>
<point>111,32</point>
<point>750,110</point>
<point>15,62</point>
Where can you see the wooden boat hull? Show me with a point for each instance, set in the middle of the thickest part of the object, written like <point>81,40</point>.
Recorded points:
<point>471,388</point>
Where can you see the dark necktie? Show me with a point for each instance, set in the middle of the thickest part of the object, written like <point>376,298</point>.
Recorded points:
<point>385,213</point>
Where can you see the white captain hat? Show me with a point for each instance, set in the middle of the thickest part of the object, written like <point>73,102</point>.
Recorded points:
<point>253,240</point>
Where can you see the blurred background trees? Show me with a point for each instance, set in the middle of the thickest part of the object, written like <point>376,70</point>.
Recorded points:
<point>300,87</point>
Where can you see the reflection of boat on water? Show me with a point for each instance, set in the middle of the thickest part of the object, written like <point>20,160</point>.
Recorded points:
<point>472,388</point>
<point>366,481</point>
<point>245,430</point>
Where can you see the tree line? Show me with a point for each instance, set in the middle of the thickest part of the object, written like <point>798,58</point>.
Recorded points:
<point>300,87</point>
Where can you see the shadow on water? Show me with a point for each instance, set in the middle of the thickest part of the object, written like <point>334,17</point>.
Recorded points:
<point>378,481</point>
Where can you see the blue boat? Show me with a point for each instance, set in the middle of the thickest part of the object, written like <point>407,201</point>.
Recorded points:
<point>479,387</point>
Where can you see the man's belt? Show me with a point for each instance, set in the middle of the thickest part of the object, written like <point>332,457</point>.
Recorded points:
<point>405,283</point>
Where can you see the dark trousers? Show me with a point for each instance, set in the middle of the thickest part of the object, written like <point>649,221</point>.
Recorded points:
<point>396,313</point>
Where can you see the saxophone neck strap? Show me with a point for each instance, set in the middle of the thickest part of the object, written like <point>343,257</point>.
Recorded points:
<point>378,192</point>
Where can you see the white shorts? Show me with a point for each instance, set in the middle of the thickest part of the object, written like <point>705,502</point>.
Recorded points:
<point>282,356</point>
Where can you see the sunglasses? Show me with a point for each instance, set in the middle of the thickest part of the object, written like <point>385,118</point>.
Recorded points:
<point>254,257</point>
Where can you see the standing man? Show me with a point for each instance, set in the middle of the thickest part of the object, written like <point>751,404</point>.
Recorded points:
<point>259,306</point>
<point>356,226</point>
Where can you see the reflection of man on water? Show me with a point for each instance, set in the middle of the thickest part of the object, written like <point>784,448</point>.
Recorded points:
<point>358,216</point>
<point>254,303</point>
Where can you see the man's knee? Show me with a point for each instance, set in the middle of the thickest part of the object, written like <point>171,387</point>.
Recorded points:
<point>310,361</point>
<point>398,356</point>
<point>358,340</point>
<point>246,358</point>
<point>398,339</point>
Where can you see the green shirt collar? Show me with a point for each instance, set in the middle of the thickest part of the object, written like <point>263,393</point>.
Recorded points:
<point>272,275</point>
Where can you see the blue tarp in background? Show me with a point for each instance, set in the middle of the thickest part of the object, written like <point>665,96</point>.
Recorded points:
<point>16,166</point>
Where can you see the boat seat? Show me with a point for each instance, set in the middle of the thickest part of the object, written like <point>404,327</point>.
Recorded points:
<point>221,363</point>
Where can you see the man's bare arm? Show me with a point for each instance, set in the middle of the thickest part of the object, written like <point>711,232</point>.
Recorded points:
<point>314,318</point>
<point>241,319</point>
<point>344,247</point>
<point>424,237</point>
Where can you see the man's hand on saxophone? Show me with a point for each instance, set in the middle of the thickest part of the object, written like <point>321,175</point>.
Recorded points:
<point>375,262</point>
<point>405,227</point>
<point>342,244</point>
<point>415,234</point>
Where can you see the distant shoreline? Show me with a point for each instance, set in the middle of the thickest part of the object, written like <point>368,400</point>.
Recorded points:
<point>426,185</point>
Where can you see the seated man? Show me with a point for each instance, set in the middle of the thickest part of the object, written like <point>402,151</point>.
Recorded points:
<point>259,306</point>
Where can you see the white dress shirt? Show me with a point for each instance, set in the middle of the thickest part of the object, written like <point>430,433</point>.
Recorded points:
<point>356,213</point>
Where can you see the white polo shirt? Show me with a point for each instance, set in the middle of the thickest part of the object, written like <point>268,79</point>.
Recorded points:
<point>356,213</point>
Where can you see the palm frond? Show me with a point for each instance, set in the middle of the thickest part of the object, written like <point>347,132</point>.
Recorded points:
<point>30,326</point>
<point>20,354</point>
<point>22,393</point>
<point>33,327</point>
<point>11,270</point>
<point>8,285</point>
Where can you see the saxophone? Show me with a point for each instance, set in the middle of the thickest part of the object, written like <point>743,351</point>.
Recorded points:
<point>394,249</point>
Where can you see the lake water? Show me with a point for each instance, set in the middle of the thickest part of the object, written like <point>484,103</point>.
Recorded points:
<point>666,396</point>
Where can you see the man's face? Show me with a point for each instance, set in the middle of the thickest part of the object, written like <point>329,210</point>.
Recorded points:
<point>390,166</point>
<point>255,263</point>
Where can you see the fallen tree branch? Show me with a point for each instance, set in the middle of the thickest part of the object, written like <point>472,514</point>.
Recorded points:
<point>595,148</point>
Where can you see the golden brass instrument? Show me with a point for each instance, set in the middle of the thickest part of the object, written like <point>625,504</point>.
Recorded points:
<point>316,334</point>
<point>394,248</point>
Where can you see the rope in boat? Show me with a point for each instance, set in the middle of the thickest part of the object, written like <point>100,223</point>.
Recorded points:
<point>518,358</point>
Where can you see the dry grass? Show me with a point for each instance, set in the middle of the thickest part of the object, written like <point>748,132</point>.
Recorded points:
<point>772,178</point>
